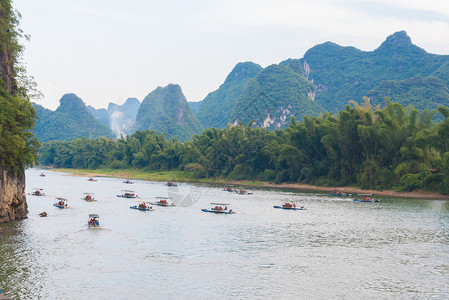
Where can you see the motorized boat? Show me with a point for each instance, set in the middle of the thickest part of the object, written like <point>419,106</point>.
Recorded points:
<point>128,194</point>
<point>290,205</point>
<point>93,221</point>
<point>92,179</point>
<point>366,198</point>
<point>169,183</point>
<point>38,192</point>
<point>42,175</point>
<point>142,206</point>
<point>229,189</point>
<point>219,208</point>
<point>128,181</point>
<point>61,203</point>
<point>338,193</point>
<point>89,197</point>
<point>242,192</point>
<point>163,201</point>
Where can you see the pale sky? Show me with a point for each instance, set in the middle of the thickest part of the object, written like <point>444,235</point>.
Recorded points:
<point>107,50</point>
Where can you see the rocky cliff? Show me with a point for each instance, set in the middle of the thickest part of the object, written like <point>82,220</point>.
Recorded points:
<point>13,203</point>
<point>18,146</point>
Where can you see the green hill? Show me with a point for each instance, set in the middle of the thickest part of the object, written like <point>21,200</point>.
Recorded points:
<point>421,92</point>
<point>70,120</point>
<point>215,110</point>
<point>166,110</point>
<point>341,73</point>
<point>275,94</point>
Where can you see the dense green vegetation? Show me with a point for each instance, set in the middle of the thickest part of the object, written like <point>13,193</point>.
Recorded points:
<point>274,95</point>
<point>325,79</point>
<point>166,110</point>
<point>384,148</point>
<point>194,106</point>
<point>70,120</point>
<point>18,147</point>
<point>344,73</point>
<point>215,110</point>
<point>420,92</point>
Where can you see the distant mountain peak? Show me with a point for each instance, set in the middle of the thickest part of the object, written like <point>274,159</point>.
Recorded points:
<point>70,102</point>
<point>166,110</point>
<point>132,101</point>
<point>397,39</point>
<point>399,43</point>
<point>112,106</point>
<point>243,70</point>
<point>72,119</point>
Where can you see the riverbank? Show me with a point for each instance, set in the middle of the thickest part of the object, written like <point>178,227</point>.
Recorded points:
<point>352,190</point>
<point>185,176</point>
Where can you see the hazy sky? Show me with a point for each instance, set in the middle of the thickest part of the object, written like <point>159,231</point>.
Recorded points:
<point>107,50</point>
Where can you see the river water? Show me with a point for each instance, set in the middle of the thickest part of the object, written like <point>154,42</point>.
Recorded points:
<point>398,248</point>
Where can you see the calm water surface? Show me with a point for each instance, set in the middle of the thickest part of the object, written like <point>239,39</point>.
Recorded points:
<point>398,248</point>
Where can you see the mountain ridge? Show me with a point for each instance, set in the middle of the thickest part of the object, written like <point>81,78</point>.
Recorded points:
<point>216,108</point>
<point>70,120</point>
<point>165,109</point>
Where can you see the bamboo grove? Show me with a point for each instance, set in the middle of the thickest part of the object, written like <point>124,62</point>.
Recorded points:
<point>393,147</point>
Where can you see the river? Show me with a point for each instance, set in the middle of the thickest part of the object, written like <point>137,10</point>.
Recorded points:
<point>336,248</point>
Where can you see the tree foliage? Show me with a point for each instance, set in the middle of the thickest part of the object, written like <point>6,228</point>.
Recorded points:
<point>18,147</point>
<point>361,145</point>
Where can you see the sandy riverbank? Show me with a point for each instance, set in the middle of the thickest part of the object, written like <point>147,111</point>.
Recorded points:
<point>354,190</point>
<point>307,187</point>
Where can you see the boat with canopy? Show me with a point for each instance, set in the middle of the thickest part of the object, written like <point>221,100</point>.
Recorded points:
<point>89,197</point>
<point>289,205</point>
<point>142,206</point>
<point>128,194</point>
<point>61,203</point>
<point>38,192</point>
<point>93,221</point>
<point>163,201</point>
<point>219,208</point>
<point>366,198</point>
<point>339,193</point>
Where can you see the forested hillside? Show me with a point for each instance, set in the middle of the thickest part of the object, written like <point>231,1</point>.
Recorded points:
<point>372,148</point>
<point>194,106</point>
<point>276,94</point>
<point>69,121</point>
<point>215,110</point>
<point>18,146</point>
<point>166,110</point>
<point>341,73</point>
<point>421,92</point>
<point>324,80</point>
